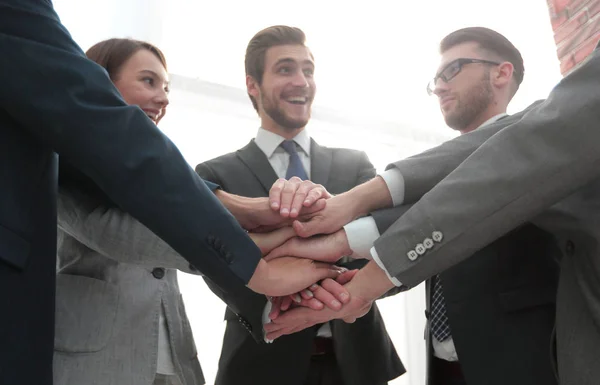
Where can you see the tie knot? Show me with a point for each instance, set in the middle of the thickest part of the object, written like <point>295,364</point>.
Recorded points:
<point>289,146</point>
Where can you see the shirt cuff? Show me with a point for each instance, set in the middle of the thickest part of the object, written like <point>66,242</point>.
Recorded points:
<point>382,267</point>
<point>395,183</point>
<point>266,320</point>
<point>361,235</point>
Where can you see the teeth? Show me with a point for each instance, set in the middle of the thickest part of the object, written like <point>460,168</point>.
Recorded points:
<point>297,99</point>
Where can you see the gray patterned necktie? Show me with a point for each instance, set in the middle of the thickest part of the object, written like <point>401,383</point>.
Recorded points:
<point>440,327</point>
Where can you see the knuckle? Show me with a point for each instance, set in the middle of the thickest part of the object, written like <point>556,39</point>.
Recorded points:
<point>289,188</point>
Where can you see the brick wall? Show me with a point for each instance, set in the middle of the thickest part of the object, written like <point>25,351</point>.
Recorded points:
<point>576,25</point>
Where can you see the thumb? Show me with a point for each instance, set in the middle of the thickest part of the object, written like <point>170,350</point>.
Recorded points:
<point>280,251</point>
<point>346,276</point>
<point>307,229</point>
<point>326,270</point>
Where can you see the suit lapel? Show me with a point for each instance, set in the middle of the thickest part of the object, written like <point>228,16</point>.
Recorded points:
<point>320,163</point>
<point>257,162</point>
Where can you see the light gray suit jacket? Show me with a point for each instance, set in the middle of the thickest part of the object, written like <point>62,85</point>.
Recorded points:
<point>544,168</point>
<point>114,275</point>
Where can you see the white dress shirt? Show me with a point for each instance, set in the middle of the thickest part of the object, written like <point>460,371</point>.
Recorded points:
<point>269,142</point>
<point>363,232</point>
<point>164,361</point>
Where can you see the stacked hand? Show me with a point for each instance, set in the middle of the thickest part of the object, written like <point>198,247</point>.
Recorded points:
<point>299,230</point>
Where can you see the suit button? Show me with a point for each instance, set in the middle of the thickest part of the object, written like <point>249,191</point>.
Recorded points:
<point>570,248</point>
<point>428,243</point>
<point>420,249</point>
<point>228,258</point>
<point>192,267</point>
<point>412,255</point>
<point>210,239</point>
<point>437,236</point>
<point>245,323</point>
<point>158,273</point>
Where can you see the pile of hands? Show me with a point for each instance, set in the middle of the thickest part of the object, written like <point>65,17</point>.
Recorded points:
<point>299,230</point>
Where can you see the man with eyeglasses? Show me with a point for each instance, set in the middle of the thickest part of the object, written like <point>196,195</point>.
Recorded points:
<point>490,318</point>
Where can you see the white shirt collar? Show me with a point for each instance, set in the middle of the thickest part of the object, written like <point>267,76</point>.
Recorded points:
<point>269,142</point>
<point>493,119</point>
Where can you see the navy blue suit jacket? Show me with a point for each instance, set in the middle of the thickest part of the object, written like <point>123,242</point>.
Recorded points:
<point>55,101</point>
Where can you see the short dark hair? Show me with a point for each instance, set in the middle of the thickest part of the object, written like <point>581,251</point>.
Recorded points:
<point>490,41</point>
<point>113,53</point>
<point>261,42</point>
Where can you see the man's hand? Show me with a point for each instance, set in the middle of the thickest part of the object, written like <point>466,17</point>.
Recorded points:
<point>290,196</point>
<point>339,211</point>
<point>256,213</point>
<point>330,293</point>
<point>368,285</point>
<point>346,207</point>
<point>288,275</point>
<point>325,248</point>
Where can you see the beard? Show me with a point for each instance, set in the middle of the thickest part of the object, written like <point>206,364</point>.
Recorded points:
<point>471,104</point>
<point>278,115</point>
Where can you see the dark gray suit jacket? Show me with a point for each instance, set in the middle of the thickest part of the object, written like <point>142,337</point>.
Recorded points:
<point>364,350</point>
<point>544,168</point>
<point>53,100</point>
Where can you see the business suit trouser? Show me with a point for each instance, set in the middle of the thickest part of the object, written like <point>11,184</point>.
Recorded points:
<point>324,370</point>
<point>446,373</point>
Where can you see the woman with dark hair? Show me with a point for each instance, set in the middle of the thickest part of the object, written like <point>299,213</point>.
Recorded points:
<point>120,318</point>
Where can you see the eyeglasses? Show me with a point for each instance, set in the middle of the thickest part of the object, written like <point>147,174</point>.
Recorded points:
<point>452,69</point>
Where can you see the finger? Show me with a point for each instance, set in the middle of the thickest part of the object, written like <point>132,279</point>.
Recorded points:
<point>324,270</point>
<point>315,194</point>
<point>281,332</point>
<point>349,320</point>
<point>299,197</point>
<point>287,196</point>
<point>326,297</point>
<point>346,276</point>
<point>275,193</point>
<point>312,303</point>
<point>307,294</point>
<point>288,331</point>
<point>281,251</point>
<point>286,302</point>
<point>274,327</point>
<point>275,308</point>
<point>336,290</point>
<point>309,228</point>
<point>309,212</point>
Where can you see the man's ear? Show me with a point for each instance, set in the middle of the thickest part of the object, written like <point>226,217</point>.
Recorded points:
<point>503,74</point>
<point>252,87</point>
